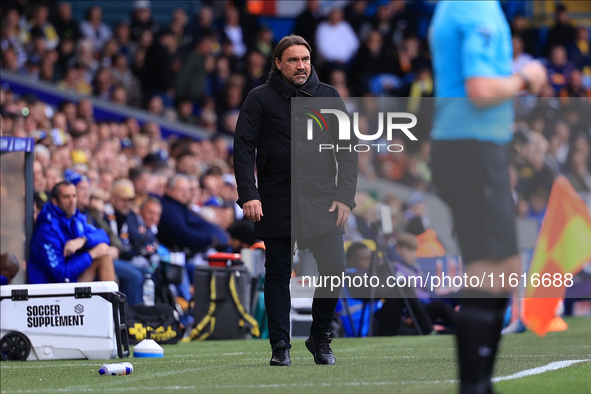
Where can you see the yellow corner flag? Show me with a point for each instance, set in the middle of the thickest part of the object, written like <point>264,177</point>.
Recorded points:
<point>563,247</point>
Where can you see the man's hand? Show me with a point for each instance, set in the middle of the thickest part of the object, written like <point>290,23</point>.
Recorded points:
<point>253,210</point>
<point>113,252</point>
<point>99,251</point>
<point>343,210</point>
<point>73,245</point>
<point>535,74</point>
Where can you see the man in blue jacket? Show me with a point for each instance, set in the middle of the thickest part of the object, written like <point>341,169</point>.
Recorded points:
<point>65,247</point>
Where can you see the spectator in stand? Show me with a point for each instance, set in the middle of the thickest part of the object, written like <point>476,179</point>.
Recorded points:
<point>307,22</point>
<point>151,212</point>
<point>426,310</point>
<point>220,76</point>
<point>201,26</point>
<point>520,29</point>
<point>119,96</point>
<point>264,43</point>
<point>96,217</point>
<point>231,99</point>
<point>416,214</point>
<point>103,84</point>
<point>371,59</point>
<point>39,181</point>
<point>191,80</point>
<point>141,179</point>
<point>65,26</point>
<point>336,40</point>
<point>235,33</point>
<point>31,68</point>
<point>355,14</point>
<point>539,170</point>
<point>10,38</point>
<point>177,25</point>
<point>578,173</point>
<point>538,202</point>
<point>520,58</point>
<point>47,70</point>
<point>574,86</point>
<point>9,267</point>
<point>563,33</point>
<point>580,51</point>
<point>559,68</point>
<point>65,248</point>
<point>85,59</point>
<point>156,106</point>
<point>184,112</point>
<point>141,20</point>
<point>256,67</point>
<point>53,176</point>
<point>109,50</point>
<point>40,25</point>
<point>122,75</point>
<point>10,60</point>
<point>122,36</point>
<point>382,23</point>
<point>560,141</point>
<point>157,76</point>
<point>85,110</point>
<point>179,227</point>
<point>123,221</point>
<point>94,28</point>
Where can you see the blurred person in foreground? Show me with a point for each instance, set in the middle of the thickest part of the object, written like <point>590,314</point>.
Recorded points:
<point>472,56</point>
<point>65,248</point>
<point>315,214</point>
<point>9,267</point>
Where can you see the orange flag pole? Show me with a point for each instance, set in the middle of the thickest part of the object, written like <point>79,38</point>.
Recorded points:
<point>562,249</point>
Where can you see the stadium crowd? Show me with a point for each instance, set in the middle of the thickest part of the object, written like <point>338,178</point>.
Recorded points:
<point>197,70</point>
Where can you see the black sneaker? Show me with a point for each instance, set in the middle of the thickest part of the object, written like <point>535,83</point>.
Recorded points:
<point>320,349</point>
<point>281,354</point>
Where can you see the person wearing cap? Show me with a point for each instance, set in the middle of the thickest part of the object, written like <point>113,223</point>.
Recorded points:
<point>65,247</point>
<point>131,267</point>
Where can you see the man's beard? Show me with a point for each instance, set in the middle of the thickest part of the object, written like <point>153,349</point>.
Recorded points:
<point>296,83</point>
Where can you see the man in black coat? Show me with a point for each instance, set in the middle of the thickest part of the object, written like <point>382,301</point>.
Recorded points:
<point>179,227</point>
<point>299,195</point>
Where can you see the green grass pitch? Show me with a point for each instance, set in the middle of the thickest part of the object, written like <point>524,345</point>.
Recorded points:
<point>376,365</point>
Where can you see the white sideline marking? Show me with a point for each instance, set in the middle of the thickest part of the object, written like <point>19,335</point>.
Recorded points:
<point>536,371</point>
<point>529,372</point>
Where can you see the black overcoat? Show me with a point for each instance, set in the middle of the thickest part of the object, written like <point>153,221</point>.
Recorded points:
<point>296,182</point>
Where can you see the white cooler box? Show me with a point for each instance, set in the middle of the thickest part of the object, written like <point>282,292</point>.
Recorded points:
<point>63,321</point>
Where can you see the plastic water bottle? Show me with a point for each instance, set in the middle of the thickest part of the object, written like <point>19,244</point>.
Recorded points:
<point>149,291</point>
<point>116,369</point>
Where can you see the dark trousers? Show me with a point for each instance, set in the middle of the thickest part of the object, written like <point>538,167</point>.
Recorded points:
<point>329,253</point>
